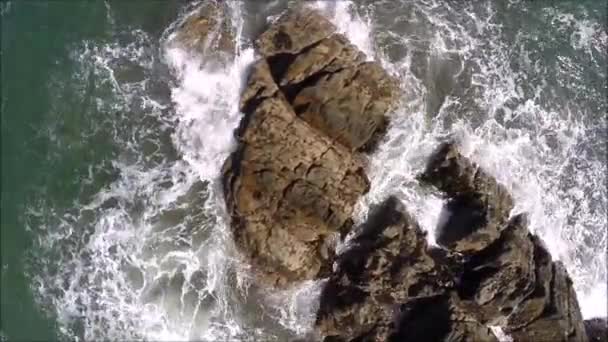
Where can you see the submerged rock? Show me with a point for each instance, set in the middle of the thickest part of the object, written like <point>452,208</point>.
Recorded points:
<point>207,31</point>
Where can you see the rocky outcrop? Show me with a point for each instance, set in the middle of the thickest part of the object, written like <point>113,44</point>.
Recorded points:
<point>477,207</point>
<point>389,286</point>
<point>295,177</point>
<point>508,277</point>
<point>293,32</point>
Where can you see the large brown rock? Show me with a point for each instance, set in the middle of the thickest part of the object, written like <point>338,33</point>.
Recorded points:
<point>327,56</point>
<point>288,188</point>
<point>292,183</point>
<point>349,105</point>
<point>327,80</point>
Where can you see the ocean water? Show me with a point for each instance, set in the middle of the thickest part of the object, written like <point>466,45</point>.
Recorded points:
<point>113,224</point>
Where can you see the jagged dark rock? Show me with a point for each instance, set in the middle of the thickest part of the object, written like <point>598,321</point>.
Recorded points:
<point>478,207</point>
<point>552,313</point>
<point>388,286</point>
<point>509,278</point>
<point>498,277</point>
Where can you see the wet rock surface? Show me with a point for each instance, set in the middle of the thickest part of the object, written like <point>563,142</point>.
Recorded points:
<point>477,207</point>
<point>312,105</point>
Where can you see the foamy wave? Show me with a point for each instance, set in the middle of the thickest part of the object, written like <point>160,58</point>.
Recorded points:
<point>145,252</point>
<point>144,256</point>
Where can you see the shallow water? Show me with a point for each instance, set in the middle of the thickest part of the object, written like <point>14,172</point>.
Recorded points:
<point>112,223</point>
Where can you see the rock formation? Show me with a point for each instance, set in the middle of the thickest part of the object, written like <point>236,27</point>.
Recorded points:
<point>291,185</point>
<point>389,286</point>
<point>508,278</point>
<point>312,104</point>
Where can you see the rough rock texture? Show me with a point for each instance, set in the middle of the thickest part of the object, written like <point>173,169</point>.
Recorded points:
<point>508,277</point>
<point>289,187</point>
<point>389,286</point>
<point>330,55</point>
<point>327,80</point>
<point>478,206</point>
<point>349,104</point>
<point>207,30</point>
<point>294,31</point>
<point>497,277</point>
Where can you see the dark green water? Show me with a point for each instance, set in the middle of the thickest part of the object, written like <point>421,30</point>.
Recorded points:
<point>75,124</point>
<point>38,92</point>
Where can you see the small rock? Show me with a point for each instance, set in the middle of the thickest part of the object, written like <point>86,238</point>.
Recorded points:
<point>207,30</point>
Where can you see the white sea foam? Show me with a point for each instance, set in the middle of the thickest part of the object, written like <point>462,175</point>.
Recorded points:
<point>146,256</point>
<point>149,254</point>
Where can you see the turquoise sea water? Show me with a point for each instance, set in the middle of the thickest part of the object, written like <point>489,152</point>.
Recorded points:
<point>111,144</point>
